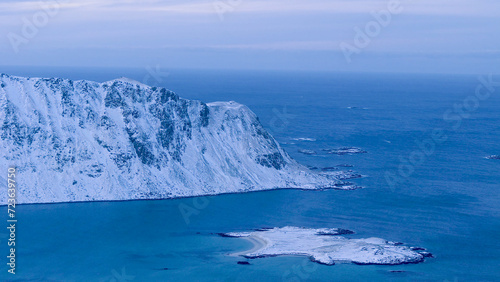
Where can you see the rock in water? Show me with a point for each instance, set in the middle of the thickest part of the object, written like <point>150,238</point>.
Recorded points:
<point>121,140</point>
<point>345,151</point>
<point>307,152</point>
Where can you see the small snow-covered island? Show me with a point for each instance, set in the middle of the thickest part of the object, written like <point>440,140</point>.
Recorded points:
<point>326,246</point>
<point>122,140</point>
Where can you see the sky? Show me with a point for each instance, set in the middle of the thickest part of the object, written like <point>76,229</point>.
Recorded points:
<point>414,36</point>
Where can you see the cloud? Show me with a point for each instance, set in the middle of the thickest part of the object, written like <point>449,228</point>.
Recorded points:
<point>13,7</point>
<point>187,31</point>
<point>289,45</point>
<point>424,7</point>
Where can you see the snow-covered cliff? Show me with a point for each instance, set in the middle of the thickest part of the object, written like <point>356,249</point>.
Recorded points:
<point>120,140</point>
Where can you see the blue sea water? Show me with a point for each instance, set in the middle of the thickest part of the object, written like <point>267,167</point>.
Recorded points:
<point>448,203</point>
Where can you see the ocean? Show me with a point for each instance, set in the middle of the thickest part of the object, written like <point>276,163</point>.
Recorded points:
<point>441,195</point>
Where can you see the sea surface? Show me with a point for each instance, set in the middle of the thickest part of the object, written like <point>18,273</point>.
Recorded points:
<point>447,201</point>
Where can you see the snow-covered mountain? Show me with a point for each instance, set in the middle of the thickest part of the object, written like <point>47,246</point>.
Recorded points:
<point>120,140</point>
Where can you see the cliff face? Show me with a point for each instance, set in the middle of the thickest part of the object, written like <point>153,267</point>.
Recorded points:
<point>119,140</point>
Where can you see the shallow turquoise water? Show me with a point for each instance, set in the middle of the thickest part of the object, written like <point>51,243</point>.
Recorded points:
<point>449,205</point>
